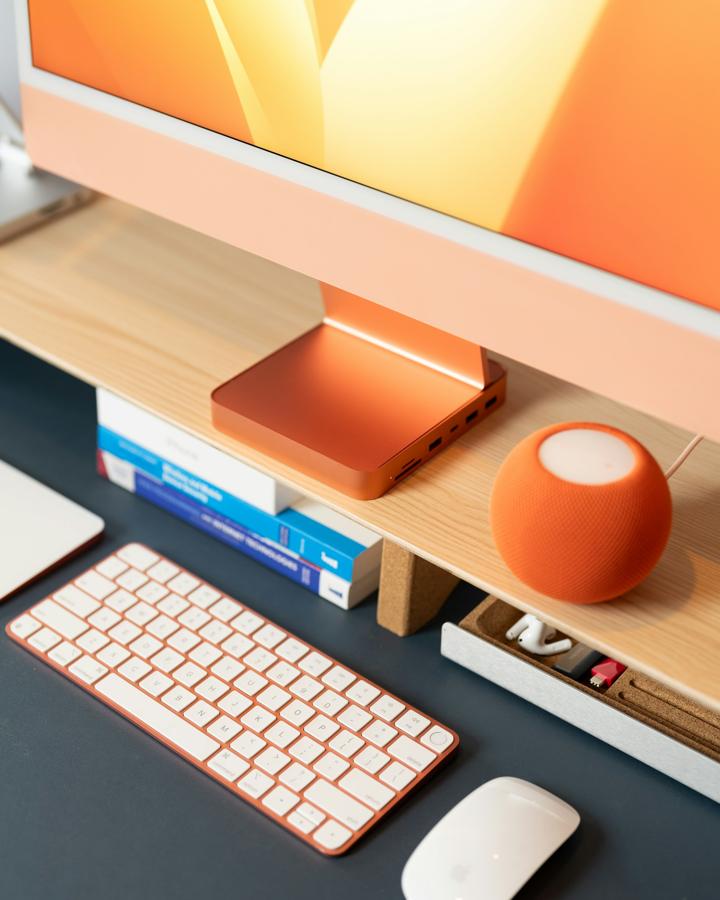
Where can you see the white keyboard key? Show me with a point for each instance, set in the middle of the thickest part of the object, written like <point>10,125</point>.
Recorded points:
<point>315,664</point>
<point>194,618</point>
<point>162,627</point>
<point>282,673</point>
<point>184,640</point>
<point>212,689</point>
<point>248,744</point>
<point>362,693</point>
<point>234,704</point>
<point>379,733</point>
<point>227,668</point>
<point>124,632</point>
<point>330,703</point>
<point>228,765</point>
<point>24,626</point>
<point>366,789</point>
<point>44,639</point>
<point>397,776</point>
<point>201,713</point>
<point>205,654</point>
<point>338,678</point>
<point>189,674</point>
<point>141,613</point>
<point>163,571</point>
<point>224,729</point>
<point>120,601</point>
<point>291,650</point>
<point>250,683</point>
<point>204,596</point>
<point>306,750</point>
<point>300,822</point>
<point>258,719</point>
<point>322,728</point>
<point>146,645</point>
<point>182,584</point>
<point>92,641</point>
<point>412,723</point>
<point>178,698</point>
<point>237,645</point>
<point>135,669</point>
<point>306,687</point>
<point>281,801</point>
<point>87,669</point>
<point>311,813</point>
<point>103,618</point>
<point>167,659</point>
<point>271,760</point>
<point>156,683</point>
<point>95,584</point>
<point>64,653</point>
<point>331,767</point>
<point>371,759</point>
<point>387,708</point>
<point>111,567</point>
<point>296,777</point>
<point>112,655</point>
<point>131,580</point>
<point>437,739</point>
<point>59,619</point>
<point>346,743</point>
<point>411,753</point>
<point>172,605</point>
<point>215,631</point>
<point>354,718</point>
<point>152,592</point>
<point>273,697</point>
<point>281,734</point>
<point>76,601</point>
<point>247,622</point>
<point>297,712</point>
<point>138,556</point>
<point>337,804</point>
<point>255,784</point>
<point>157,717</point>
<point>331,835</point>
<point>260,659</point>
<point>225,609</point>
<point>269,636</point>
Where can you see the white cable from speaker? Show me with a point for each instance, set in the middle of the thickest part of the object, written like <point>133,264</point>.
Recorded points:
<point>683,456</point>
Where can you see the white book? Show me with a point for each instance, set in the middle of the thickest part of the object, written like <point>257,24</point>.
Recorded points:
<point>193,454</point>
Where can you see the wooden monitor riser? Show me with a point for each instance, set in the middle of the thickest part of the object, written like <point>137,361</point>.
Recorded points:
<point>162,315</point>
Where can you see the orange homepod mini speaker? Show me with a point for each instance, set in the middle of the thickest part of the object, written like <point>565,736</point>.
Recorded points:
<point>580,512</point>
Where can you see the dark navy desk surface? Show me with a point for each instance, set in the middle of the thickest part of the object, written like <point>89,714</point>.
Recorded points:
<point>90,807</point>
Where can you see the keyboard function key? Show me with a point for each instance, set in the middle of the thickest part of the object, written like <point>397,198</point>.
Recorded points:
<point>111,567</point>
<point>24,626</point>
<point>412,723</point>
<point>138,556</point>
<point>152,592</point>
<point>194,618</point>
<point>291,650</point>
<point>363,693</point>
<point>182,584</point>
<point>204,596</point>
<point>120,600</point>
<point>172,605</point>
<point>44,639</point>
<point>163,571</point>
<point>387,708</point>
<point>269,636</point>
<point>437,739</point>
<point>225,609</point>
<point>95,584</point>
<point>64,653</point>
<point>338,678</point>
<point>247,622</point>
<point>76,601</point>
<point>131,580</point>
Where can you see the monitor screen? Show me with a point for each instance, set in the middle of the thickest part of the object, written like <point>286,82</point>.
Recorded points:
<point>589,129</point>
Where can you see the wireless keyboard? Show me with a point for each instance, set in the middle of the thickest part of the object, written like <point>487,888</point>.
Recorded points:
<point>312,744</point>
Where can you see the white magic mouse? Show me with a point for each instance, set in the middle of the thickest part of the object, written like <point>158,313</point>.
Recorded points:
<point>489,845</point>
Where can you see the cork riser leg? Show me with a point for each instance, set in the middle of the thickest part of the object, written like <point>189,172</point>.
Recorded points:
<point>412,590</point>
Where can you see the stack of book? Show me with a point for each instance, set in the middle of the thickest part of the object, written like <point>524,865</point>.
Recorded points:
<point>324,551</point>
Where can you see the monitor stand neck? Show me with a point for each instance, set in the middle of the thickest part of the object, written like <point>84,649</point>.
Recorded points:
<point>406,336</point>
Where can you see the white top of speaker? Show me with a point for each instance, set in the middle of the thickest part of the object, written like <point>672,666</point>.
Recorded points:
<point>587,456</point>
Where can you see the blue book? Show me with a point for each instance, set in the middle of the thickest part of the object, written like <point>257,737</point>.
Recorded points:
<point>351,553</point>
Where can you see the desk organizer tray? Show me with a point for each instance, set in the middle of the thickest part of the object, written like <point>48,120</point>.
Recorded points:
<point>636,714</point>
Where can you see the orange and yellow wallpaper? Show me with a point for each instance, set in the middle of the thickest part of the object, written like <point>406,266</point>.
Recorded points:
<point>588,127</point>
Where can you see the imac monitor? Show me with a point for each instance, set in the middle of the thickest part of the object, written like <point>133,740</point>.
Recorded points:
<point>539,177</point>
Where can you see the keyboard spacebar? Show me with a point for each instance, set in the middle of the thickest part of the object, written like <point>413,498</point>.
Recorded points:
<point>162,720</point>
